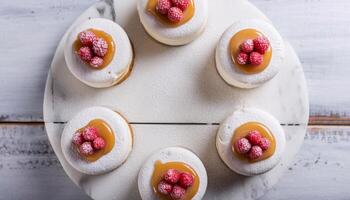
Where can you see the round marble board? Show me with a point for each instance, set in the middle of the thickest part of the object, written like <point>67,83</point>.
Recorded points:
<point>175,97</point>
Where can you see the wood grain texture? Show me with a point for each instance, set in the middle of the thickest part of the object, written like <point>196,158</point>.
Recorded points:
<point>29,168</point>
<point>318,30</point>
<point>28,162</point>
<point>31,30</point>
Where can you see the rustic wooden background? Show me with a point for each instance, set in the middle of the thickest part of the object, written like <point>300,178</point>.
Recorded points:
<point>30,30</point>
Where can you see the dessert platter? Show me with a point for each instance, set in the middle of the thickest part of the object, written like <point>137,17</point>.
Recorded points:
<point>175,99</point>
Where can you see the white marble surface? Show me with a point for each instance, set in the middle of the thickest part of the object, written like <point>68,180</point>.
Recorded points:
<point>180,91</point>
<point>192,87</point>
<point>222,182</point>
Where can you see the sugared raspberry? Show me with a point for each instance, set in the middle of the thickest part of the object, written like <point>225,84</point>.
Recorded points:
<point>175,14</point>
<point>164,188</point>
<point>99,143</point>
<point>87,37</point>
<point>255,152</point>
<point>182,4</point>
<point>247,46</point>
<point>90,133</point>
<point>242,146</point>
<point>264,144</point>
<point>255,58</point>
<point>163,6</point>
<point>85,54</point>
<point>78,138</point>
<point>186,180</point>
<point>177,192</point>
<point>100,47</point>
<point>86,149</point>
<point>242,58</point>
<point>261,44</point>
<point>96,62</point>
<point>172,176</point>
<point>254,137</point>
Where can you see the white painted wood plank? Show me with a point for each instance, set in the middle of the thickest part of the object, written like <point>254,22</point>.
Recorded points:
<point>319,32</point>
<point>321,169</point>
<point>29,168</point>
<point>30,31</point>
<point>317,29</point>
<point>28,162</point>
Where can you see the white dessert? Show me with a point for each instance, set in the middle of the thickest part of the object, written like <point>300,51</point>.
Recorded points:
<point>116,70</point>
<point>179,35</point>
<point>108,162</point>
<point>224,141</point>
<point>171,154</point>
<point>234,76</point>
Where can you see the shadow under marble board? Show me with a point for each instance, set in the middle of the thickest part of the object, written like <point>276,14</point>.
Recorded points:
<point>184,91</point>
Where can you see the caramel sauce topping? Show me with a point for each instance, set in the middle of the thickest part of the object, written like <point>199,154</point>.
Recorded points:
<point>106,133</point>
<point>111,47</point>
<point>161,168</point>
<point>235,43</point>
<point>187,14</point>
<point>243,130</point>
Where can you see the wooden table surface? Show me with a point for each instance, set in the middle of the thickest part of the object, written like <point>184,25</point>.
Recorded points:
<point>31,29</point>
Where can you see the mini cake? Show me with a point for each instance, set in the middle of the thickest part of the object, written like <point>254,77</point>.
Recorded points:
<point>250,142</point>
<point>98,52</point>
<point>249,53</point>
<point>173,173</point>
<point>173,22</point>
<point>96,140</point>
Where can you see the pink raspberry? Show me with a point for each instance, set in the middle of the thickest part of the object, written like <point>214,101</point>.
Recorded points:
<point>254,137</point>
<point>85,54</point>
<point>164,188</point>
<point>182,4</point>
<point>163,6</point>
<point>175,14</point>
<point>86,149</point>
<point>99,143</point>
<point>255,58</point>
<point>96,62</point>
<point>100,47</point>
<point>264,144</point>
<point>186,180</point>
<point>172,176</point>
<point>90,133</point>
<point>177,192</point>
<point>78,138</point>
<point>255,152</point>
<point>242,58</point>
<point>87,37</point>
<point>261,44</point>
<point>247,46</point>
<point>242,146</point>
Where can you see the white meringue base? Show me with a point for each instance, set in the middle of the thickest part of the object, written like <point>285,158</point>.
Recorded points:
<point>234,76</point>
<point>226,131</point>
<point>108,162</point>
<point>120,64</point>
<point>174,36</point>
<point>171,154</point>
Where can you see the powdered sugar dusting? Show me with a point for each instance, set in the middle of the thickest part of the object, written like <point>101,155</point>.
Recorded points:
<point>100,47</point>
